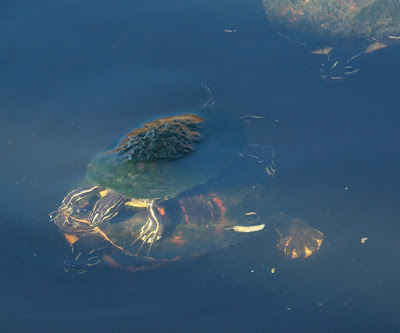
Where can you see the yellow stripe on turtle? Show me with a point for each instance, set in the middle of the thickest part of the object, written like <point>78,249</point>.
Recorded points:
<point>307,252</point>
<point>136,203</point>
<point>319,242</point>
<point>288,240</point>
<point>103,193</point>
<point>71,239</point>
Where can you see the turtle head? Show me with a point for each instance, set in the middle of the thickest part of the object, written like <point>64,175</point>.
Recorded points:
<point>107,207</point>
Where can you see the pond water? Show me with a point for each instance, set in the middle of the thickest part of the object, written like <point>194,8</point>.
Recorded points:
<point>77,75</point>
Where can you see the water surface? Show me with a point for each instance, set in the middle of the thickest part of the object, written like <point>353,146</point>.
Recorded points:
<point>78,75</point>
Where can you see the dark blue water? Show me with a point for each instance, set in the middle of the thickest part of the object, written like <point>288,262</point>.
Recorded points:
<point>77,75</point>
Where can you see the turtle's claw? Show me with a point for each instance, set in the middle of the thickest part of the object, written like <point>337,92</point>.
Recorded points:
<point>301,240</point>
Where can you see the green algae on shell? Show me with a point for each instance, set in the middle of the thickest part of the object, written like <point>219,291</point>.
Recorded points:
<point>169,155</point>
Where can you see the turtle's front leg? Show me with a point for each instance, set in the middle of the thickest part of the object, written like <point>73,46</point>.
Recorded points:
<point>86,250</point>
<point>152,229</point>
<point>298,239</point>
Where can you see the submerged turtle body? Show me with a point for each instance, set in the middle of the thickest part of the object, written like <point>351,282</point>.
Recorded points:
<point>340,29</point>
<point>189,225</point>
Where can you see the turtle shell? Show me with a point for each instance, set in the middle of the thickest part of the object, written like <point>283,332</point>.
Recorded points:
<point>169,155</point>
<point>341,29</point>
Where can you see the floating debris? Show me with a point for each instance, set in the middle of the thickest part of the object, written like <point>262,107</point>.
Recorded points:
<point>325,50</point>
<point>262,154</point>
<point>242,228</point>
<point>374,46</point>
<point>271,169</point>
<point>252,116</point>
<point>211,100</point>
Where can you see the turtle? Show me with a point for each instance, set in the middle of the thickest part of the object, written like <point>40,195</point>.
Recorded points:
<point>194,223</point>
<point>156,196</point>
<point>342,30</point>
<point>156,162</point>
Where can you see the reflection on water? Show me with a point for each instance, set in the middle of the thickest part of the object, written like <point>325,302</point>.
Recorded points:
<point>79,75</point>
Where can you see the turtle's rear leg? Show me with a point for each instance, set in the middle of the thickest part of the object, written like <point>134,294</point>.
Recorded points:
<point>298,239</point>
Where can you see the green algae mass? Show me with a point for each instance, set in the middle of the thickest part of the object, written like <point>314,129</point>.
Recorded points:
<point>169,155</point>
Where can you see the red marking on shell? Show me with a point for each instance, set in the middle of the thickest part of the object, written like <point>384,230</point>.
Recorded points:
<point>294,15</point>
<point>184,212</point>
<point>222,208</point>
<point>351,6</point>
<point>177,240</point>
<point>110,261</point>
